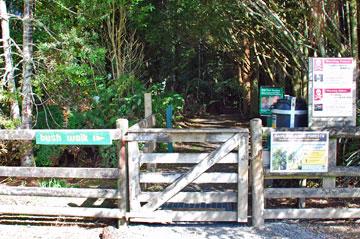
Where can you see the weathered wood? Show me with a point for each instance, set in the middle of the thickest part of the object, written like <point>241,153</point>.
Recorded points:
<point>147,104</point>
<point>62,211</point>
<point>257,173</point>
<point>48,172</point>
<point>334,132</point>
<point>193,174</point>
<point>242,203</point>
<point>330,182</point>
<point>60,192</point>
<point>122,183</point>
<point>338,171</point>
<point>203,178</point>
<point>134,175</point>
<point>147,122</point>
<point>110,232</point>
<point>29,134</point>
<point>194,197</point>
<point>190,131</point>
<point>150,147</point>
<point>279,176</point>
<point>302,183</point>
<point>312,192</point>
<point>183,158</point>
<point>212,137</point>
<point>183,216</point>
<point>321,213</point>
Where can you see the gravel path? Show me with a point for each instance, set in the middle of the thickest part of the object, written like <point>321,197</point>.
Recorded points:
<point>141,231</point>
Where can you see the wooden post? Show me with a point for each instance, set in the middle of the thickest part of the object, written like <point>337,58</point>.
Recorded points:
<point>302,183</point>
<point>330,182</point>
<point>257,173</point>
<point>148,104</point>
<point>123,125</point>
<point>149,147</point>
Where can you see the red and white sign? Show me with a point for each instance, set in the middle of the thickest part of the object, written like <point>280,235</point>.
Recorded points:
<point>333,87</point>
<point>318,94</point>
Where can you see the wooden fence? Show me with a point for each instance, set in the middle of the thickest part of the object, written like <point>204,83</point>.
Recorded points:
<point>62,172</point>
<point>329,190</point>
<point>157,186</point>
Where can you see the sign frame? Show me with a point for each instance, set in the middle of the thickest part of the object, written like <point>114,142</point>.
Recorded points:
<point>273,92</point>
<point>330,121</point>
<point>73,137</point>
<point>299,151</point>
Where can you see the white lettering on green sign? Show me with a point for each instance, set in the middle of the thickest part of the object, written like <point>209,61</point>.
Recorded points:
<point>73,137</point>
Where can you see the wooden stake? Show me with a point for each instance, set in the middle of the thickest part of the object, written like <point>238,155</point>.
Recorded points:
<point>257,172</point>
<point>123,125</point>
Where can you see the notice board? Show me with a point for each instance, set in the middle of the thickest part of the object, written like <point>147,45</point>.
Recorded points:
<point>332,92</point>
<point>299,151</point>
<point>268,97</point>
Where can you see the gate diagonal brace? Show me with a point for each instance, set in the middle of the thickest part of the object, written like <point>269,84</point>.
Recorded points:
<point>181,182</point>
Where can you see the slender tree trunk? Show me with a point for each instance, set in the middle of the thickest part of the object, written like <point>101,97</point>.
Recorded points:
<point>244,78</point>
<point>357,26</point>
<point>354,24</point>
<point>8,78</point>
<point>319,22</point>
<point>27,159</point>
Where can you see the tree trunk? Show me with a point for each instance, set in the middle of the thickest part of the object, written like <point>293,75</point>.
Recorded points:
<point>354,23</point>
<point>244,79</point>
<point>8,78</point>
<point>319,22</point>
<point>27,159</point>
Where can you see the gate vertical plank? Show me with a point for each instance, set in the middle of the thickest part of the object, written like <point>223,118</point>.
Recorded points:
<point>243,155</point>
<point>123,125</point>
<point>134,175</point>
<point>257,173</point>
<point>193,174</point>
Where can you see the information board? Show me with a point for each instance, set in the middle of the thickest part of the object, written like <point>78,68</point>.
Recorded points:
<point>332,91</point>
<point>299,151</point>
<point>268,97</point>
<point>73,137</point>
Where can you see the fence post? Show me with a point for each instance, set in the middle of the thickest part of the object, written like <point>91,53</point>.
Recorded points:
<point>149,147</point>
<point>123,125</point>
<point>330,182</point>
<point>148,104</point>
<point>257,173</point>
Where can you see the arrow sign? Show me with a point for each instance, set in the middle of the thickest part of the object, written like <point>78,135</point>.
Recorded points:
<point>73,137</point>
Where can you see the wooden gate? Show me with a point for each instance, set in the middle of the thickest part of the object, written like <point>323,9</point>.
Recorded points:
<point>210,186</point>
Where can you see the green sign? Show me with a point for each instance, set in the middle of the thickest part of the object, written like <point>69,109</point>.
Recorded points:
<point>73,137</point>
<point>268,97</point>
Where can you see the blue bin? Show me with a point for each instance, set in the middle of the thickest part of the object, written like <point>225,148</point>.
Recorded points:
<point>290,112</point>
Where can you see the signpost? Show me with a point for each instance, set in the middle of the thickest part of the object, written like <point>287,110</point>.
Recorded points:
<point>73,137</point>
<point>299,151</point>
<point>332,92</point>
<point>268,97</point>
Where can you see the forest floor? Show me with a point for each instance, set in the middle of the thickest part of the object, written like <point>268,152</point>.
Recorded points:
<point>55,227</point>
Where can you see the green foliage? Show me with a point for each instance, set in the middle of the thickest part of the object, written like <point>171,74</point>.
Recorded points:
<point>53,183</point>
<point>47,155</point>
<point>108,156</point>
<point>162,99</point>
